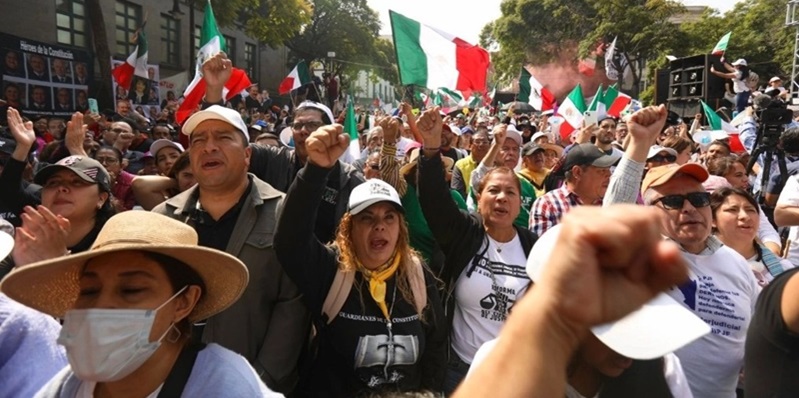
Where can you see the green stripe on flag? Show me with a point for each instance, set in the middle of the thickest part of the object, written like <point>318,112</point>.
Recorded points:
<point>713,119</point>
<point>411,58</point>
<point>524,86</point>
<point>721,46</point>
<point>210,29</point>
<point>350,122</point>
<point>141,42</point>
<point>598,98</point>
<point>610,95</point>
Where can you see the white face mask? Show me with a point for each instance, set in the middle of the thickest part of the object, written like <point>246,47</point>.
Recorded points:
<point>108,344</point>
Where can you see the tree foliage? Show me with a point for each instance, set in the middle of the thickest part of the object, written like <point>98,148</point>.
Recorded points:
<point>350,28</point>
<point>272,22</point>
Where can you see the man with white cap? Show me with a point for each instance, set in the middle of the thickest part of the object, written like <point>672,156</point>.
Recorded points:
<point>279,166</point>
<point>775,83</point>
<point>660,156</point>
<point>235,212</point>
<point>721,289</point>
<point>505,151</point>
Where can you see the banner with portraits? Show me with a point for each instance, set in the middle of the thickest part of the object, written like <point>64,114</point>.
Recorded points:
<point>144,94</point>
<point>43,79</point>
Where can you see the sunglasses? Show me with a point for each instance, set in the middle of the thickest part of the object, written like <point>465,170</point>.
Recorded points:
<point>308,126</point>
<point>663,159</point>
<point>676,202</point>
<point>374,166</point>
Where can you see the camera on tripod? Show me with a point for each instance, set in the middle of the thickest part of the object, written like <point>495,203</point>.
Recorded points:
<point>772,115</point>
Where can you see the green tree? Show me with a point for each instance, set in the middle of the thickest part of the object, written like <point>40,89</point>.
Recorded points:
<point>272,22</point>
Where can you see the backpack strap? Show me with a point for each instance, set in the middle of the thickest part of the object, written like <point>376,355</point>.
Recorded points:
<point>179,375</point>
<point>418,285</point>
<point>337,295</point>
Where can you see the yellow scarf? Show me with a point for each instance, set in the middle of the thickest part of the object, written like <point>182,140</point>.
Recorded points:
<point>377,283</point>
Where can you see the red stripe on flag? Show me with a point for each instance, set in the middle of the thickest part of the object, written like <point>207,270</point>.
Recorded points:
<point>286,85</point>
<point>238,81</point>
<point>123,74</point>
<point>735,144</point>
<point>618,105</point>
<point>566,130</point>
<point>472,63</point>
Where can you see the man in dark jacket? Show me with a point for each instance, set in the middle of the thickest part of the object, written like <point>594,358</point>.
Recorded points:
<point>279,166</point>
<point>234,211</point>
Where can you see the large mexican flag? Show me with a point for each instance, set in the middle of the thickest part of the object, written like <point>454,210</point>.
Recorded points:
<point>431,58</point>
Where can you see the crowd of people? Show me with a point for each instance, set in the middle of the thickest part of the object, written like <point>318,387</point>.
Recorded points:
<point>458,255</point>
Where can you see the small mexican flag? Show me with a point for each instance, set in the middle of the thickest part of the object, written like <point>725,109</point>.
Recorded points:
<point>572,111</point>
<point>598,103</point>
<point>615,102</point>
<point>721,46</point>
<point>135,65</point>
<point>716,123</point>
<point>431,58</point>
<point>212,43</point>
<point>353,152</point>
<point>534,93</point>
<point>298,77</point>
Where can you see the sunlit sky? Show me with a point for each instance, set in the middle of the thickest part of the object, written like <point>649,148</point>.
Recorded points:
<point>466,19</point>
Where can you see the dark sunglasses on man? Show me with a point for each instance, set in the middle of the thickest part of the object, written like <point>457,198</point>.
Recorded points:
<point>676,202</point>
<point>663,159</point>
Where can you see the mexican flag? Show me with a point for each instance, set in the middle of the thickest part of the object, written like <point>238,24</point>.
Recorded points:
<point>212,43</point>
<point>615,102</point>
<point>353,152</point>
<point>721,46</point>
<point>298,77</point>
<point>431,58</point>
<point>598,103</point>
<point>534,93</point>
<point>135,65</point>
<point>572,110</point>
<point>716,123</point>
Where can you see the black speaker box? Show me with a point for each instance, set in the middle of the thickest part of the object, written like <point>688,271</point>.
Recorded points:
<point>690,78</point>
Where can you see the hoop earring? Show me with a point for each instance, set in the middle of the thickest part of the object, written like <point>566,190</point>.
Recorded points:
<point>177,334</point>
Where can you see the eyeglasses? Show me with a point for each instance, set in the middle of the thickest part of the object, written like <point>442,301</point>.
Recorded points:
<point>676,202</point>
<point>309,126</point>
<point>663,159</point>
<point>102,160</point>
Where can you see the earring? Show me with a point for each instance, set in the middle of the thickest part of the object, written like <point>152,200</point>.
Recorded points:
<point>177,335</point>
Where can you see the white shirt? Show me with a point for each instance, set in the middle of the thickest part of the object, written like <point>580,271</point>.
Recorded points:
<point>739,85</point>
<point>722,291</point>
<point>790,197</point>
<point>484,299</point>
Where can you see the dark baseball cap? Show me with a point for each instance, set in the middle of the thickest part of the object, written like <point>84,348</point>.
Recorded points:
<point>7,145</point>
<point>530,148</point>
<point>86,168</point>
<point>589,155</point>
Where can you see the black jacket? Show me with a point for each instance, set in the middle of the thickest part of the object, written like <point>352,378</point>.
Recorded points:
<point>459,234</point>
<point>349,356</point>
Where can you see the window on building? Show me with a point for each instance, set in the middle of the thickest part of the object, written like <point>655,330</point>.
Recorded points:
<point>249,59</point>
<point>128,19</point>
<point>70,19</point>
<point>170,40</point>
<point>231,48</point>
<point>198,32</point>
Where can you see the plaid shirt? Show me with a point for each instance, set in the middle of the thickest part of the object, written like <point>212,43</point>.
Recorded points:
<point>548,209</point>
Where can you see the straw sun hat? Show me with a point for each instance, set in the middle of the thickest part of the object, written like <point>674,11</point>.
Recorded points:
<point>52,286</point>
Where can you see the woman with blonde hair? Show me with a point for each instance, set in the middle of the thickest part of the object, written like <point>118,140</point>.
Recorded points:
<point>376,310</point>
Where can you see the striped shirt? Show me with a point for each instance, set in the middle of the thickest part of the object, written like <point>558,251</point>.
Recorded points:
<point>548,209</point>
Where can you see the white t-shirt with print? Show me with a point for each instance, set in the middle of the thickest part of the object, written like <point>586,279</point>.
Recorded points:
<point>722,291</point>
<point>485,293</point>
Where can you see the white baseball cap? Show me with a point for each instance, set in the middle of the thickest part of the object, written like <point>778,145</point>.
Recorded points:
<point>514,134</point>
<point>164,143</point>
<point>216,112</point>
<point>775,79</point>
<point>739,61</point>
<point>657,328</point>
<point>538,135</point>
<point>370,192</point>
<point>6,238</point>
<point>318,106</point>
<point>656,149</point>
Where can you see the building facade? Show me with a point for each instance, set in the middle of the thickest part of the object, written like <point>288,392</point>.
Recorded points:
<point>172,37</point>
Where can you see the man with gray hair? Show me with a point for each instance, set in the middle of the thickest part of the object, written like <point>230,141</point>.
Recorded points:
<point>721,288</point>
